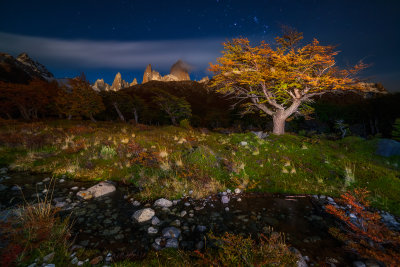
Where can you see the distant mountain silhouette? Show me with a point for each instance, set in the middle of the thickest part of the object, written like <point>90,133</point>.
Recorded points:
<point>22,69</point>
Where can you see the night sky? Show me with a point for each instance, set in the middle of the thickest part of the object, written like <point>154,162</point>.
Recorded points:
<point>104,37</point>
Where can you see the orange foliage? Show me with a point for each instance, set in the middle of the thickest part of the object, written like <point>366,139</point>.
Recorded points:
<point>364,232</point>
<point>280,80</point>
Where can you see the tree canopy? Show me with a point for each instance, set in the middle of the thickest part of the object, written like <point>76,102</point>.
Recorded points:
<point>280,80</point>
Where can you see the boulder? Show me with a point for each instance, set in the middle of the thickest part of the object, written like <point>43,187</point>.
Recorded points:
<point>171,232</point>
<point>163,203</point>
<point>388,147</point>
<point>143,215</point>
<point>98,190</point>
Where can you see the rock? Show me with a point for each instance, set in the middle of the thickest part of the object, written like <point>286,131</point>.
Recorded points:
<point>171,232</point>
<point>225,199</point>
<point>143,215</point>
<point>118,83</point>
<point>134,82</point>
<point>74,261</point>
<point>16,188</point>
<point>99,190</point>
<point>238,191</point>
<point>187,204</point>
<point>49,257</point>
<point>260,134</point>
<point>183,213</point>
<point>204,80</point>
<point>50,265</point>
<point>226,209</point>
<point>163,203</point>
<point>172,243</point>
<point>330,199</point>
<point>359,264</point>
<point>32,265</point>
<point>200,245</point>
<point>201,228</point>
<point>61,181</point>
<point>136,203</point>
<point>239,199</point>
<point>243,143</point>
<point>3,170</point>
<point>3,187</point>
<point>156,247</point>
<point>80,263</point>
<point>100,85</point>
<point>388,147</point>
<point>47,179</point>
<point>151,230</point>
<point>155,221</point>
<point>75,188</point>
<point>176,223</point>
<point>228,191</point>
<point>180,71</point>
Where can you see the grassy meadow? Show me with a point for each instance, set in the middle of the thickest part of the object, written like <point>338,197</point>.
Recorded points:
<point>168,161</point>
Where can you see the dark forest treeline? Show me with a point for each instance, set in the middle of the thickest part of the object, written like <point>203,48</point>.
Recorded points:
<point>159,103</point>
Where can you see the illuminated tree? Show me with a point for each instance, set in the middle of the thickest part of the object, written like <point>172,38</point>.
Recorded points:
<point>279,81</point>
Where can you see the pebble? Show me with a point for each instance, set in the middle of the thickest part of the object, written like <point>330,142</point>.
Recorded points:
<point>239,199</point>
<point>155,220</point>
<point>183,213</point>
<point>225,199</point>
<point>16,188</point>
<point>237,191</point>
<point>226,209</point>
<point>61,181</point>
<point>136,203</point>
<point>187,204</point>
<point>151,230</point>
<point>172,243</point>
<point>228,191</point>
<point>46,179</point>
<point>143,215</point>
<point>74,261</point>
<point>359,264</point>
<point>75,188</point>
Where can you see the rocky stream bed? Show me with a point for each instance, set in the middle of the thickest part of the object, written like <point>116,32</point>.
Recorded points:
<point>108,218</point>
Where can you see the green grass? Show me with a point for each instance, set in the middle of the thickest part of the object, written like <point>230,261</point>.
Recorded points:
<point>169,161</point>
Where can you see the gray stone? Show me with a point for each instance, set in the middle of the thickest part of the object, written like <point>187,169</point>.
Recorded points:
<point>49,257</point>
<point>183,213</point>
<point>172,243</point>
<point>136,203</point>
<point>260,134</point>
<point>201,228</point>
<point>237,191</point>
<point>155,221</point>
<point>171,232</point>
<point>46,179</point>
<point>98,190</point>
<point>16,188</point>
<point>151,230</point>
<point>143,215</point>
<point>75,188</point>
<point>32,265</point>
<point>163,203</point>
<point>225,199</point>
<point>74,261</point>
<point>243,143</point>
<point>49,265</point>
<point>199,245</point>
<point>156,247</point>
<point>359,264</point>
<point>388,147</point>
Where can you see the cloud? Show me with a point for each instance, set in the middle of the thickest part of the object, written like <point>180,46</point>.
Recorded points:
<point>113,54</point>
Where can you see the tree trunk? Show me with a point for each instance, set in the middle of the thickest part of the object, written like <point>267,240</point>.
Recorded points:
<point>173,120</point>
<point>279,123</point>
<point>91,118</point>
<point>136,116</point>
<point>121,117</point>
<point>24,112</point>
